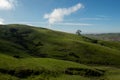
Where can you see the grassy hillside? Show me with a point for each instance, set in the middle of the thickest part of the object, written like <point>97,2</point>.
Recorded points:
<point>32,53</point>
<point>111,40</point>
<point>52,69</point>
<point>27,41</point>
<point>44,69</point>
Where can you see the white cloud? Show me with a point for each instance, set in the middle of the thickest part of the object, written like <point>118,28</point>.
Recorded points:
<point>1,21</point>
<point>7,4</point>
<point>58,14</point>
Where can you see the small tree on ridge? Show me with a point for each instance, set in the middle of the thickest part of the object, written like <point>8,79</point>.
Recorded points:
<point>78,32</point>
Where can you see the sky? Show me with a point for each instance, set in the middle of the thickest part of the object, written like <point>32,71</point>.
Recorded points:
<point>89,16</point>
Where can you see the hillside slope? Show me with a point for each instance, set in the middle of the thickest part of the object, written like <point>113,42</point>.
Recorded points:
<point>44,69</point>
<point>26,41</point>
<point>105,36</point>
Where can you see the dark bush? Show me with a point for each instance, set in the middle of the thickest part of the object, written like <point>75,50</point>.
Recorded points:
<point>16,56</point>
<point>85,72</point>
<point>73,54</point>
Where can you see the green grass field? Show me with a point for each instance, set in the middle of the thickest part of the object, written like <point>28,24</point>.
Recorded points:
<point>32,53</point>
<point>52,69</point>
<point>44,68</point>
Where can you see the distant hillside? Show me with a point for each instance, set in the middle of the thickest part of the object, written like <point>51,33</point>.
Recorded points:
<point>27,41</point>
<point>105,36</point>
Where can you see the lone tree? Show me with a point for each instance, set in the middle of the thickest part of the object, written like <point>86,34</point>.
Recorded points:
<point>78,32</point>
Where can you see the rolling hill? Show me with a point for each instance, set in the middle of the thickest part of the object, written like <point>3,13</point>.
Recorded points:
<point>44,53</point>
<point>43,69</point>
<point>105,36</point>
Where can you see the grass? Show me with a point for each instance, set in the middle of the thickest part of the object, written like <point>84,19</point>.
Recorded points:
<point>43,67</point>
<point>112,73</point>
<point>51,69</point>
<point>33,53</point>
<point>29,41</point>
<point>7,77</point>
<point>66,77</point>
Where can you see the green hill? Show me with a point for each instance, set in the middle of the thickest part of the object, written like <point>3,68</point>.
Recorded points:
<point>27,41</point>
<point>44,69</point>
<point>105,36</point>
<point>34,53</point>
<point>52,69</point>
